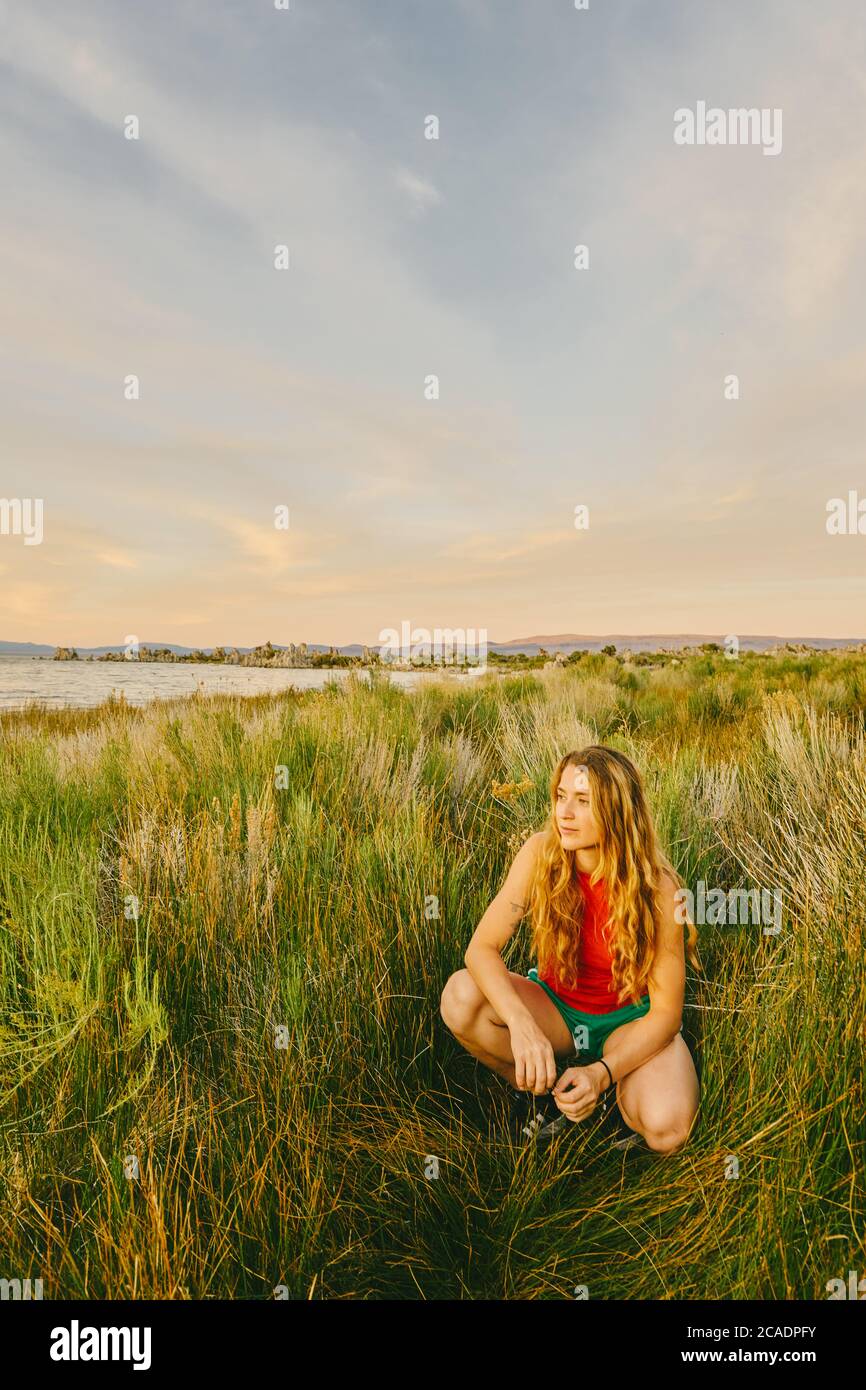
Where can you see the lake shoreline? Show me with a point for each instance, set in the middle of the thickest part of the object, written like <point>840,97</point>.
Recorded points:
<point>90,684</point>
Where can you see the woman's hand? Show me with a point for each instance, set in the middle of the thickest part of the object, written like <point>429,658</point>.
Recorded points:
<point>577,1092</point>
<point>534,1062</point>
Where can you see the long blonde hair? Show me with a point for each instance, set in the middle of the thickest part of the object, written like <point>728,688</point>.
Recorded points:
<point>631,865</point>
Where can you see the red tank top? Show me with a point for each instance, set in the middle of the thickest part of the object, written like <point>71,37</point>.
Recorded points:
<point>593,993</point>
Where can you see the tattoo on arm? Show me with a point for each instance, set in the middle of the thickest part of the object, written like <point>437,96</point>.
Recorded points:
<point>517,909</point>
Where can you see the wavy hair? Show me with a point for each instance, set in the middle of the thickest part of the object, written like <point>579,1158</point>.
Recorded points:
<point>631,865</point>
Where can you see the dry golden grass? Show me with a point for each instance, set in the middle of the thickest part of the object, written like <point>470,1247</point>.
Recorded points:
<point>227,982</point>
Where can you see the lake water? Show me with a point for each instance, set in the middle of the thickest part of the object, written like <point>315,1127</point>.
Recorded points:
<point>25,678</point>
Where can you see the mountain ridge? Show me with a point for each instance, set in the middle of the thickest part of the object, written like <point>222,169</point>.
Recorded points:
<point>636,642</point>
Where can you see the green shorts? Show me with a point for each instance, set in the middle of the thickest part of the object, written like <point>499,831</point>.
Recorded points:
<point>591,1031</point>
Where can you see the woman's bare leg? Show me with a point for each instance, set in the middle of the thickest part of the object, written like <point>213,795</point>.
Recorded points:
<point>468,1014</point>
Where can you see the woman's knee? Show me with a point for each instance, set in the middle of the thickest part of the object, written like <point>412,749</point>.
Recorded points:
<point>665,1129</point>
<point>668,1139</point>
<point>460,1001</point>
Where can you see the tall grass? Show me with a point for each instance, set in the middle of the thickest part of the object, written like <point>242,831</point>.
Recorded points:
<point>224,927</point>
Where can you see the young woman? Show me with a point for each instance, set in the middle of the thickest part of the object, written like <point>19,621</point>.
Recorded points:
<point>608,935</point>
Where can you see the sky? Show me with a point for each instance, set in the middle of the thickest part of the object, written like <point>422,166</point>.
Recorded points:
<point>410,258</point>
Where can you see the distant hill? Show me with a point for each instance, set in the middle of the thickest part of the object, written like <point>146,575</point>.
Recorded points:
<point>654,642</point>
<point>41,649</point>
<point>564,642</point>
<point>25,649</point>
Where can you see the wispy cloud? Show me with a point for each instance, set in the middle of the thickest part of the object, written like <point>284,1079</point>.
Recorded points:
<point>422,194</point>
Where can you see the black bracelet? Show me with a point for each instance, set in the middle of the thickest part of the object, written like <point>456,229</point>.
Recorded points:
<point>607,1069</point>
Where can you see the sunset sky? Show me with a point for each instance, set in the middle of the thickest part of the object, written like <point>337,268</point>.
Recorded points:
<point>409,257</point>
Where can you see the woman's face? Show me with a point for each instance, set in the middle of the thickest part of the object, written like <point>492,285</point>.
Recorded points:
<point>578,828</point>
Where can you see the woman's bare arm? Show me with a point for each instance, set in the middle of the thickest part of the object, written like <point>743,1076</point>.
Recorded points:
<point>483,957</point>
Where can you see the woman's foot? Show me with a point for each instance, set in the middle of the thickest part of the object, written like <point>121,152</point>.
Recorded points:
<point>629,1142</point>
<point>535,1117</point>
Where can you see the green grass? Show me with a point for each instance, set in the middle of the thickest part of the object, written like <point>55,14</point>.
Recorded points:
<point>167,905</point>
